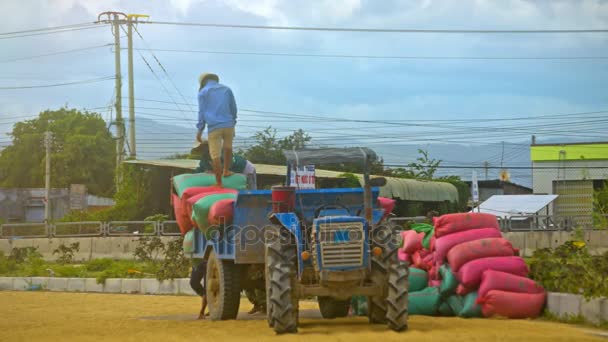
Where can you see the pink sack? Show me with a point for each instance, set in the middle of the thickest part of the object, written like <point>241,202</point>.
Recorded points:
<point>452,223</point>
<point>403,256</point>
<point>183,221</point>
<point>387,204</point>
<point>470,273</point>
<point>434,283</point>
<point>417,261</point>
<point>221,212</point>
<point>496,280</point>
<point>412,241</point>
<point>211,190</point>
<point>444,244</point>
<point>434,272</point>
<point>512,304</point>
<point>461,290</point>
<point>477,249</point>
<point>432,243</point>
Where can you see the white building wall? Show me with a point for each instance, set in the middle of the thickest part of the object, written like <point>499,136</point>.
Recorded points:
<point>542,179</point>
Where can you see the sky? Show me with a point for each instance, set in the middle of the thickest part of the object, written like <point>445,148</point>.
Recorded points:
<point>335,92</point>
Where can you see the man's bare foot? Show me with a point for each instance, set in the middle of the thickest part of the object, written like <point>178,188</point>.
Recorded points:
<point>202,316</point>
<point>255,309</point>
<point>228,173</point>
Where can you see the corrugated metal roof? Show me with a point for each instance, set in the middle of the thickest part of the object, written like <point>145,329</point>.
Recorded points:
<point>515,205</point>
<point>401,188</point>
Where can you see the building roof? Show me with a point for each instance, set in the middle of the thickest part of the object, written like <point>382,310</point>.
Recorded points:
<point>404,189</point>
<point>515,205</point>
<point>569,151</point>
<point>498,184</point>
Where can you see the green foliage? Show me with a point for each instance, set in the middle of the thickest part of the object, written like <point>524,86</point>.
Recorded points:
<point>268,147</point>
<point>175,264</point>
<point>83,152</point>
<point>149,248</point>
<point>423,168</point>
<point>66,253</point>
<point>97,265</point>
<point>350,180</point>
<point>571,268</point>
<point>600,206</point>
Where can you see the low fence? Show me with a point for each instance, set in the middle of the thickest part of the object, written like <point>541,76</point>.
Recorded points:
<point>88,229</point>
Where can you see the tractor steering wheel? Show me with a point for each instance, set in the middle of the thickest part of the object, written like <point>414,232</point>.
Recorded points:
<point>330,206</point>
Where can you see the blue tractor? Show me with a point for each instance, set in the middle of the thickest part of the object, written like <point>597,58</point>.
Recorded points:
<point>328,243</point>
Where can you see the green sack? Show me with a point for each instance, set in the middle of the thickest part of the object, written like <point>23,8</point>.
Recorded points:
<point>188,244</point>
<point>359,305</point>
<point>189,180</point>
<point>425,302</point>
<point>455,302</point>
<point>470,308</point>
<point>449,283</point>
<point>428,231</point>
<point>200,209</point>
<point>445,309</point>
<point>418,279</point>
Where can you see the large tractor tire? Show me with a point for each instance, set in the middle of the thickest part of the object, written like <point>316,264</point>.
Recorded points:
<point>281,271</point>
<point>391,275</point>
<point>332,308</point>
<point>223,288</point>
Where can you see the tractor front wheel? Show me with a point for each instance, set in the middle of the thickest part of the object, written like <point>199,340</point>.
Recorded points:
<point>223,288</point>
<point>282,281</point>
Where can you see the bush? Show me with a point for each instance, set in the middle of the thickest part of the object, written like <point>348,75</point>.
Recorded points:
<point>66,253</point>
<point>571,268</point>
<point>98,265</point>
<point>175,264</point>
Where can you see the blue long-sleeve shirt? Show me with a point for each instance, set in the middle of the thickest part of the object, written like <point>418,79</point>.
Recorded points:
<point>216,107</point>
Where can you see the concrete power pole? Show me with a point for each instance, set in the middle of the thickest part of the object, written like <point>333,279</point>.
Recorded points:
<point>48,141</point>
<point>132,147</point>
<point>486,166</point>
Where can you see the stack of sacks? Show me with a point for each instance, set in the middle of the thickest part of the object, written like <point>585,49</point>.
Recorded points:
<point>417,249</point>
<point>199,202</point>
<point>480,271</point>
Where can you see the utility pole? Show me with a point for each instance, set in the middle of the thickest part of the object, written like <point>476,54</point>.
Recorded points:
<point>132,147</point>
<point>120,126</point>
<point>48,140</point>
<point>486,166</point>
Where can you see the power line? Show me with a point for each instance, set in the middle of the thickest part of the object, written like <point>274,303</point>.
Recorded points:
<point>377,30</point>
<point>55,53</point>
<point>279,54</point>
<point>53,32</point>
<point>47,28</point>
<point>93,80</point>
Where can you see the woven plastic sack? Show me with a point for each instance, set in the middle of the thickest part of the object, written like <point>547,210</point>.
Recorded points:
<point>444,244</point>
<point>221,212</point>
<point>188,244</point>
<point>428,230</point>
<point>200,209</point>
<point>403,256</point>
<point>512,304</point>
<point>445,309</point>
<point>477,249</point>
<point>470,308</point>
<point>418,279</point>
<point>462,290</point>
<point>496,280</point>
<point>411,241</point>
<point>449,283</point>
<point>470,274</point>
<point>453,223</point>
<point>189,180</point>
<point>388,204</point>
<point>455,303</point>
<point>425,302</point>
<point>182,218</point>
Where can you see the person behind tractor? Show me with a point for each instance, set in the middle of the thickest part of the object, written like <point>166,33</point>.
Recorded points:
<point>238,164</point>
<point>197,281</point>
<point>217,111</point>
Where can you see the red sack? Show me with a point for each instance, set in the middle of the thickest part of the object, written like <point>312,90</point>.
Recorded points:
<point>412,241</point>
<point>221,212</point>
<point>462,290</point>
<point>210,190</point>
<point>444,244</point>
<point>434,283</point>
<point>434,272</point>
<point>512,304</point>
<point>496,280</point>
<point>403,256</point>
<point>183,221</point>
<point>452,223</point>
<point>429,259</point>
<point>417,261</point>
<point>470,273</point>
<point>477,249</point>
<point>387,204</point>
<point>432,243</point>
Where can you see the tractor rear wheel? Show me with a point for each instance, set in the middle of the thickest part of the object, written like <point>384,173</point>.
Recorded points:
<point>281,271</point>
<point>223,288</point>
<point>397,297</point>
<point>333,308</point>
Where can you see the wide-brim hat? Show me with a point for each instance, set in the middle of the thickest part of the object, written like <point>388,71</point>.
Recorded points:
<point>199,147</point>
<point>206,75</point>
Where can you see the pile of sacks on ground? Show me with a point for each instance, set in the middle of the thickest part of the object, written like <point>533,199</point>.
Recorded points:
<point>199,202</point>
<point>462,266</point>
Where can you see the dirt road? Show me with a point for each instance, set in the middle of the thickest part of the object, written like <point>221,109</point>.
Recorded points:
<point>46,316</point>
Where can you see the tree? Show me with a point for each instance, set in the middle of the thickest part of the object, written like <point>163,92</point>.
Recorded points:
<point>423,168</point>
<point>83,152</point>
<point>268,149</point>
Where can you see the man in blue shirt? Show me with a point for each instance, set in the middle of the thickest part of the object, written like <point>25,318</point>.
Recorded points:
<point>216,110</point>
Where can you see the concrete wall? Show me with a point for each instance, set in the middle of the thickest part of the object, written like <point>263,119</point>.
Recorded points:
<point>123,247</point>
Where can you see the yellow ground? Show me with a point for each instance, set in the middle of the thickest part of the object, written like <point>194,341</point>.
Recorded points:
<point>45,316</point>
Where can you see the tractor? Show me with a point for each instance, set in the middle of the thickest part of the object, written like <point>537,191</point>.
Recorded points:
<point>293,243</point>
